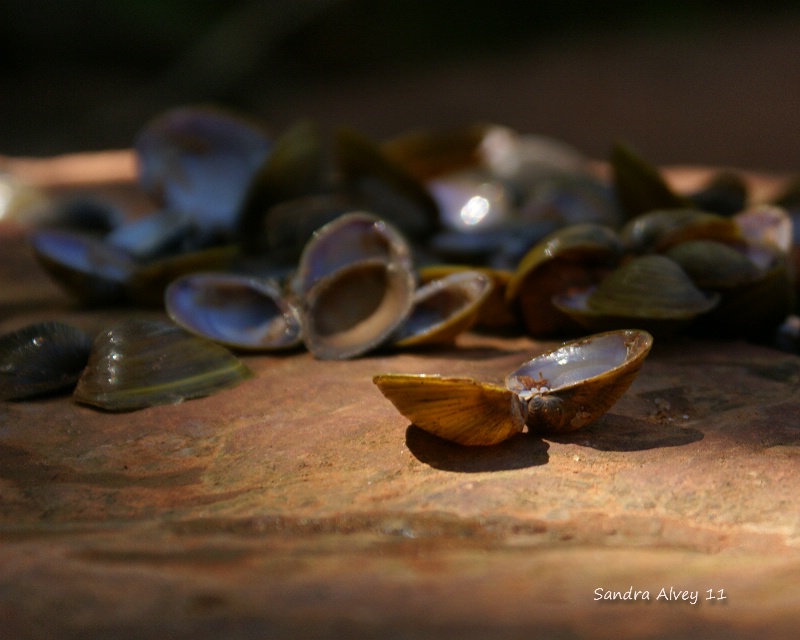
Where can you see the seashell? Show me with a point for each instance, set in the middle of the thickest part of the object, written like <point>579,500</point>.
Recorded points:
<point>141,363</point>
<point>90,269</point>
<point>494,314</point>
<point>561,390</point>
<point>22,202</point>
<point>725,194</point>
<point>657,231</point>
<point>573,385</point>
<point>570,258</point>
<point>156,235</point>
<point>639,186</point>
<point>766,225</point>
<point>650,291</point>
<point>472,201</point>
<point>353,237</point>
<point>357,308</point>
<point>238,311</point>
<point>200,160</point>
<point>296,167</point>
<point>42,358</point>
<point>461,410</point>
<point>149,281</point>
<point>443,309</point>
<point>714,265</point>
<point>377,183</point>
<point>428,153</point>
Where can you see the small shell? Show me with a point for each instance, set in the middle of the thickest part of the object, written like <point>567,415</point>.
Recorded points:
<point>443,309</point>
<point>353,237</point>
<point>575,384</point>
<point>41,358</point>
<point>457,409</point>
<point>90,269</point>
<point>649,291</point>
<point>578,256</point>
<point>357,308</point>
<point>238,311</point>
<point>664,228</point>
<point>140,363</point>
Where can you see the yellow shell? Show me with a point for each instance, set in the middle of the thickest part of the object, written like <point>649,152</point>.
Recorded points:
<point>461,410</point>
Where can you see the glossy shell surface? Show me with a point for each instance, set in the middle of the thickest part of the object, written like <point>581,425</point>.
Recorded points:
<point>238,311</point>
<point>573,385</point>
<point>461,410</point>
<point>140,363</point>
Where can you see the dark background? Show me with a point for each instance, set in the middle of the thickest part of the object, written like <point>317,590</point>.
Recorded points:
<point>684,82</point>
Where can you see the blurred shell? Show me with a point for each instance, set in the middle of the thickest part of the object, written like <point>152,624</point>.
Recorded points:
<point>295,168</point>
<point>495,314</point>
<point>42,358</point>
<point>714,265</point>
<point>22,202</point>
<point>651,291</point>
<point>573,385</point>
<point>156,235</point>
<point>639,186</point>
<point>725,194</point>
<point>766,225</point>
<point>384,187</point>
<point>141,363</point>
<point>456,409</point>
<point>238,311</point>
<point>90,269</point>
<point>659,230</point>
<point>578,256</point>
<point>200,160</point>
<point>357,308</point>
<point>443,309</point>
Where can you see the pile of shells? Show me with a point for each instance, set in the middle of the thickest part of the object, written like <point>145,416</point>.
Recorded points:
<point>339,245</point>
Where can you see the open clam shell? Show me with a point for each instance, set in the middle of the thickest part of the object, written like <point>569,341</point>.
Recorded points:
<point>457,409</point>
<point>140,363</point>
<point>561,390</point>
<point>357,308</point>
<point>575,384</point>
<point>443,309</point>
<point>238,311</point>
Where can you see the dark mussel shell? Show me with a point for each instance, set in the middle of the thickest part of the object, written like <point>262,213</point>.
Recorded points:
<point>140,363</point>
<point>239,311</point>
<point>42,358</point>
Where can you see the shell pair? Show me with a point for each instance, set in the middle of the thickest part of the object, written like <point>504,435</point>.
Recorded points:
<point>354,290</point>
<point>559,391</point>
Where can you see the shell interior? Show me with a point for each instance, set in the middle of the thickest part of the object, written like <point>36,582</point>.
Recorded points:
<point>578,361</point>
<point>357,308</point>
<point>239,311</point>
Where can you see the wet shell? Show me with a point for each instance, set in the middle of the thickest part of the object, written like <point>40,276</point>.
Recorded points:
<point>42,358</point>
<point>443,309</point>
<point>456,409</point>
<point>357,308</point>
<point>140,363</point>
<point>570,387</point>
<point>238,311</point>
